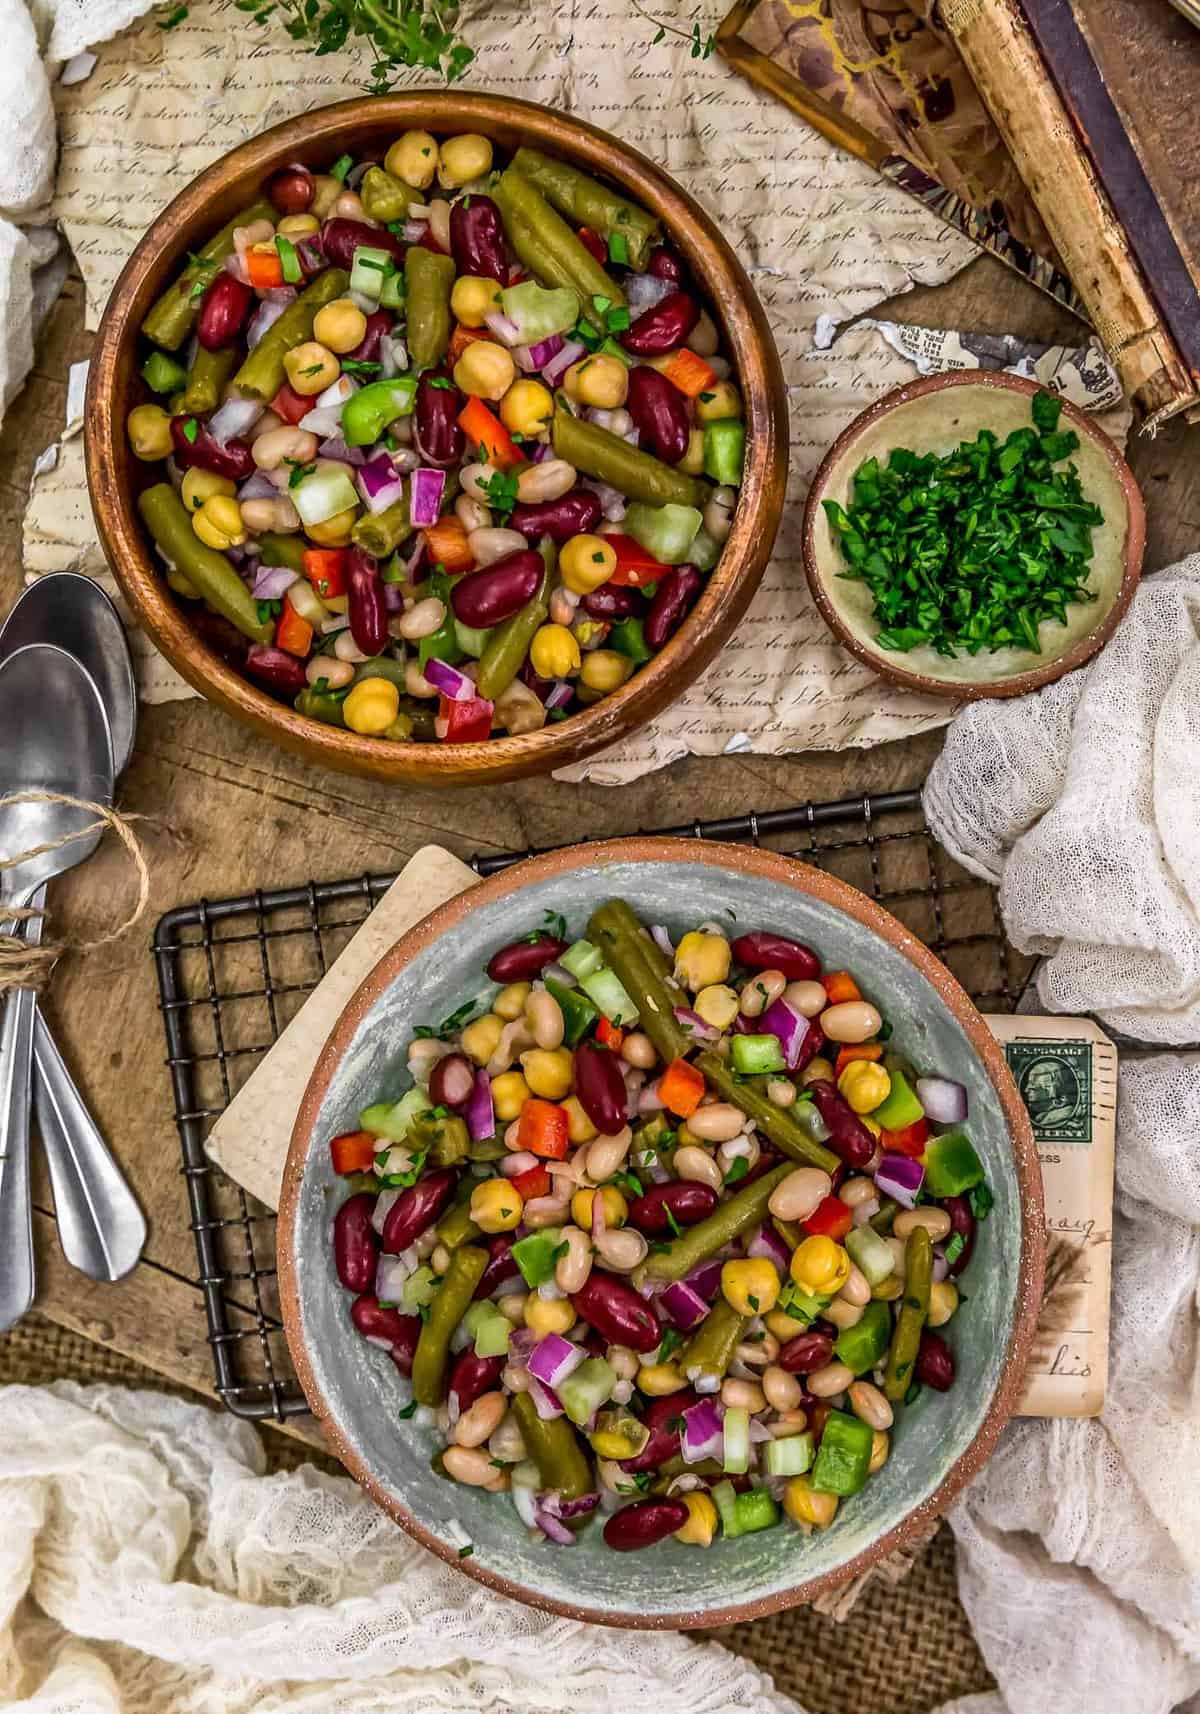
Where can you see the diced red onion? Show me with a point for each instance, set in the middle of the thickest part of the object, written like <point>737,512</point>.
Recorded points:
<point>561,694</point>
<point>273,304</point>
<point>612,502</point>
<point>272,581</point>
<point>233,419</point>
<point>649,1100</point>
<point>865,1211</point>
<point>703,1383</point>
<point>383,1207</point>
<point>643,290</point>
<point>311,253</point>
<point>360,300</point>
<point>789,1026</point>
<point>531,358</point>
<point>479,1113</point>
<point>418,555</point>
<point>545,1402</point>
<point>562,360</point>
<point>684,1305</point>
<point>390,1275</point>
<point>661,938</point>
<point>706,1279</point>
<point>599,1219</point>
<point>503,326</point>
<point>521,1342</point>
<point>759,1432</point>
<point>512,1166</point>
<point>558,972</point>
<point>702,1430</point>
<point>335,447</point>
<point>393,597</point>
<point>553,1358</point>
<point>900,1177</point>
<point>322,420</point>
<point>694,1025</point>
<point>257,487</point>
<point>941,1266</point>
<point>634,437</point>
<point>767,1242</point>
<point>235,264</point>
<point>414,231</point>
<point>553,1502</point>
<point>379,484</point>
<point>541,452</point>
<point>356,175</point>
<point>425,501</point>
<point>944,1101</point>
<point>552,1528</point>
<point>457,686</point>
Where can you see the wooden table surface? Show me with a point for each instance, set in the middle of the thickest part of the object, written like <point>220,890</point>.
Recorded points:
<point>229,813</point>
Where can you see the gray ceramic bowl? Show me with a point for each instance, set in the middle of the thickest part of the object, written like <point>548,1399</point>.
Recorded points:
<point>355,1390</point>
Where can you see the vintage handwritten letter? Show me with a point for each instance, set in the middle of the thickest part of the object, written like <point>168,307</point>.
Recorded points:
<point>819,232</point>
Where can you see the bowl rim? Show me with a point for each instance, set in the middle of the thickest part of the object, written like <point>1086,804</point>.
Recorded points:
<point>815,883</point>
<point>1017,684</point>
<point>729,588</point>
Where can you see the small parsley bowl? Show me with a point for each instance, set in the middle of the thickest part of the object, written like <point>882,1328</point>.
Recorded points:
<point>935,415</point>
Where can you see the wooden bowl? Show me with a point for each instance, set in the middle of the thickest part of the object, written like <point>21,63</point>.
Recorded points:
<point>935,415</point>
<point>115,386</point>
<point>942,1440</point>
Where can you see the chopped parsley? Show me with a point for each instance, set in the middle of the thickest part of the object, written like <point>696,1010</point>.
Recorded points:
<point>410,1409</point>
<point>737,1169</point>
<point>981,1201</point>
<point>341,167</point>
<point>618,249</point>
<point>954,1248</point>
<point>676,1228</point>
<point>191,429</point>
<point>466,1552</point>
<point>501,491</point>
<point>442,383</point>
<point>358,366</point>
<point>556,924</point>
<point>268,610</point>
<point>297,471</point>
<point>289,262</point>
<point>671,1342</point>
<point>456,1021</point>
<point>913,1393</point>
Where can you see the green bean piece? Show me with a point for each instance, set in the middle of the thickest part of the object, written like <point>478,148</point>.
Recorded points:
<point>487,1149</point>
<point>641,969</point>
<point>584,201</point>
<point>210,574</point>
<point>386,198</point>
<point>378,533</point>
<point>884,1217</point>
<point>554,1447</point>
<point>206,380</point>
<point>420,716</point>
<point>278,549</point>
<point>456,1227</point>
<point>710,1349</point>
<point>172,318</point>
<point>444,1141</point>
<point>550,250</point>
<point>321,705</point>
<point>450,1303</point>
<point>774,1122</point>
<point>505,650</point>
<point>695,1245</point>
<point>914,1309</point>
<point>607,458</point>
<point>380,666</point>
<point>428,279</point>
<point>262,374</point>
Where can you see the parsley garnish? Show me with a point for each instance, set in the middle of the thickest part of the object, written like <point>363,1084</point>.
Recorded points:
<point>175,16</point>
<point>448,1026</point>
<point>954,1248</point>
<point>556,924</point>
<point>618,249</point>
<point>617,320</point>
<point>913,1393</point>
<point>298,471</point>
<point>981,1201</point>
<point>753,1302</point>
<point>441,382</point>
<point>501,491</point>
<point>737,1169</point>
<point>357,366</point>
<point>466,1552</point>
<point>313,369</point>
<point>410,1409</point>
<point>268,610</point>
<point>341,167</point>
<point>191,429</point>
<point>671,1342</point>
<point>676,1228</point>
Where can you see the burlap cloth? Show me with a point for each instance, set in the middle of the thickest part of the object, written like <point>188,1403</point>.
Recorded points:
<point>904,1648</point>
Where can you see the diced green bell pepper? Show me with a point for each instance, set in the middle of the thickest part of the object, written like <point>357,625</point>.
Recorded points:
<point>537,1255</point>
<point>864,1346</point>
<point>367,413</point>
<point>470,640</point>
<point>393,291</point>
<point>162,374</point>
<point>725,451</point>
<point>843,1455</point>
<point>901,1107</point>
<point>744,1514</point>
<point>704,551</point>
<point>442,644</point>
<point>628,637</point>
<point>578,1012</point>
<point>755,1055</point>
<point>870,1253</point>
<point>951,1165</point>
<point>665,531</point>
<point>802,1306</point>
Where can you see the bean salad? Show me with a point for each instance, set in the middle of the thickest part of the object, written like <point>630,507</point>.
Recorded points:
<point>661,1235</point>
<point>449,445</point>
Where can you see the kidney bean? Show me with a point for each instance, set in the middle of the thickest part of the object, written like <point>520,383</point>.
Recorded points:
<point>291,190</point>
<point>660,413</point>
<point>935,1362</point>
<point>848,1136</point>
<point>451,1081</point>
<point>644,1523</point>
<point>341,238</point>
<point>818,1416</point>
<point>664,264</point>
<point>436,431</point>
<point>663,327</point>
<point>600,1087</point>
<point>810,1047</point>
<point>355,1244</point>
<point>541,687</point>
<point>962,1221</point>
<point>415,1209</point>
<point>477,239</point>
<point>674,597</point>
<point>617,1311</point>
<point>473,1376</point>
<point>685,1202</point>
<point>662,1417</point>
<point>223,310</point>
<point>222,638</point>
<point>762,951</point>
<point>522,960</point>
<point>201,451</point>
<point>500,1266</point>
<point>379,322</point>
<point>368,609</point>
<point>576,513</point>
<point>610,602</point>
<point>805,1353</point>
<point>374,1322</point>
<point>493,594</point>
<point>278,670</point>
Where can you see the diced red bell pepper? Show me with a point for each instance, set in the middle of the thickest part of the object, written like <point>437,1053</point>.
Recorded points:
<point>858,1050</point>
<point>292,632</point>
<point>466,722</point>
<point>681,1088</point>
<point>829,1219</point>
<point>485,430</point>
<point>290,405</point>
<point>353,1151</point>
<point>542,1128</point>
<point>840,986</point>
<point>325,569</point>
<point>264,268</point>
<point>635,567</point>
<point>910,1140</point>
<point>534,1182</point>
<point>593,242</point>
<point>609,1035</point>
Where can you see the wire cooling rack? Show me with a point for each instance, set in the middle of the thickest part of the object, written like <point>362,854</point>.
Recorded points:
<point>233,972</point>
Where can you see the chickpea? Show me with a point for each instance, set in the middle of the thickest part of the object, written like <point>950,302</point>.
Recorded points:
<point>935,1221</point>
<point>413,158</point>
<point>339,326</point>
<point>544,1016</point>
<point>638,1050</point>
<point>579,1127</point>
<point>496,1205</point>
<point>296,226</point>
<point>817,1070</point>
<point>473,299</point>
<point>820,1266</point>
<point>657,1380</point>
<point>701,1525</point>
<point>526,409</point>
<point>284,445</point>
<point>509,1003</point>
<point>371,706</point>
<point>218,523</point>
<point>692,462</point>
<point>260,516</point>
<point>702,959</point>
<point>864,1085</point>
<point>720,400</point>
<point>480,1420</point>
<point>697,1167</point>
<point>548,1315</point>
<point>601,381</point>
<point>311,368</point>
<point>485,370</point>
<point>585,562</point>
<point>782,1325</point>
<point>805,1504</point>
<point>480,1039</point>
<point>548,1071</point>
<point>472,1466</point>
<point>761,991</point>
<point>604,670</point>
<point>335,531</point>
<point>743,1395</point>
<point>472,514</point>
<point>554,653</point>
<point>337,674</point>
<point>149,431</point>
<point>781,1390</point>
<point>463,159</point>
<point>512,1306</point>
<point>718,514</point>
<point>943,1301</point>
<point>717,1005</point>
<point>616,1209</point>
<point>509,1094</point>
<point>549,480</point>
<point>750,1285</point>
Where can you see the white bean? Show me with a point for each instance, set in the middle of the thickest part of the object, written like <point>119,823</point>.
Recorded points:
<point>335,673</point>
<point>622,1250</point>
<point>935,1221</point>
<point>605,1155</point>
<point>718,1123</point>
<point>572,1270</point>
<point>422,619</point>
<point>869,1405</point>
<point>481,1420</point>
<point>826,1383</point>
<point>489,545</point>
<point>697,1166</point>
<point>472,1466</point>
<point>549,480</point>
<point>809,998</point>
<point>802,1191</point>
<point>545,1019</point>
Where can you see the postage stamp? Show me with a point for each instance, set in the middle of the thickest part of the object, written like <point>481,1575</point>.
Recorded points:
<point>1055,1081</point>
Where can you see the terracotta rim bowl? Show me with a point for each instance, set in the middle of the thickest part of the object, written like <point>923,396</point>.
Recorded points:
<point>846,607</point>
<point>352,1403</point>
<point>115,476</point>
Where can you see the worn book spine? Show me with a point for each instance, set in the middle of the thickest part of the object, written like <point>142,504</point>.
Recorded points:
<point>1002,56</point>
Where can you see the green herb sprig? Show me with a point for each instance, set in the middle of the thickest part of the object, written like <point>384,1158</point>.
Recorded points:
<point>399,33</point>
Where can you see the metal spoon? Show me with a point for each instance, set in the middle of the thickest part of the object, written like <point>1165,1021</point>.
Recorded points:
<point>69,752</point>
<point>100,1227</point>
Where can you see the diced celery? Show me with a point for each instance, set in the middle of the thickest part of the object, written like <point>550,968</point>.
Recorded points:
<point>539,311</point>
<point>419,1289</point>
<point>725,451</point>
<point>901,1107</point>
<point>369,269</point>
<point>704,551</point>
<point>578,1012</point>
<point>735,1453</point>
<point>581,958</point>
<point>724,1498</point>
<point>471,641</point>
<point>324,494</point>
<point>491,1338</point>
<point>791,1456</point>
<point>864,1346</point>
<point>590,1386</point>
<point>604,988</point>
<point>802,1306</point>
<point>753,1055</point>
<point>392,1119</point>
<point>665,531</point>
<point>477,1314</point>
<point>870,1253</point>
<point>391,293</point>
